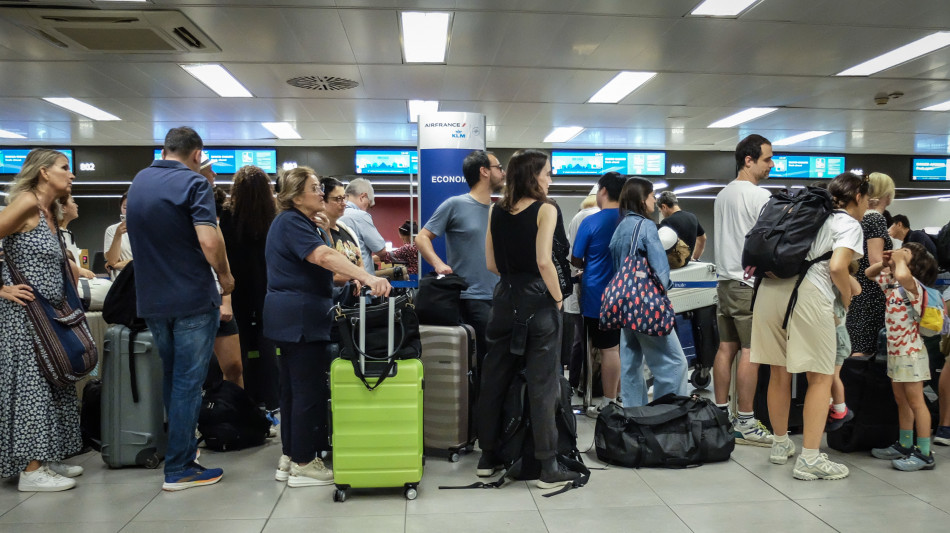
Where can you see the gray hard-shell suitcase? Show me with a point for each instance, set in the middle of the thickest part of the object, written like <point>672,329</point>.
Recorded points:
<point>133,417</point>
<point>448,355</point>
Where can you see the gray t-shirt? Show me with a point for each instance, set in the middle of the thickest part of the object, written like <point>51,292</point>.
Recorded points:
<point>362,225</point>
<point>464,222</point>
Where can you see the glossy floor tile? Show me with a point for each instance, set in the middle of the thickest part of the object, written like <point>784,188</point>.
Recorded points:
<point>746,493</point>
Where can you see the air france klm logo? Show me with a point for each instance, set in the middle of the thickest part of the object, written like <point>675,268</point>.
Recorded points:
<point>458,135</point>
<point>445,124</point>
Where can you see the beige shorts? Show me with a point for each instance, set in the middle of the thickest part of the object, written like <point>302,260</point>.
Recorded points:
<point>733,313</point>
<point>809,343</point>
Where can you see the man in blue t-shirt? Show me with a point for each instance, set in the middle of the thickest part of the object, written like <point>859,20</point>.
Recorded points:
<point>176,242</point>
<point>591,253</point>
<point>463,219</point>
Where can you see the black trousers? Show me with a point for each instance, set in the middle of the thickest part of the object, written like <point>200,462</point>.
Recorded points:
<point>541,362</point>
<point>476,313</point>
<point>304,392</point>
<point>259,360</point>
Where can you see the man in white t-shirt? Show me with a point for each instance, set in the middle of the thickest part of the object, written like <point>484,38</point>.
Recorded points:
<point>737,207</point>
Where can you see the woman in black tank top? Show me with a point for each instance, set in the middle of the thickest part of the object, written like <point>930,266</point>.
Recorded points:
<point>524,328</point>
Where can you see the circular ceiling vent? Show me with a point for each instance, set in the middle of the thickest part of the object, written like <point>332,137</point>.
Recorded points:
<point>323,83</point>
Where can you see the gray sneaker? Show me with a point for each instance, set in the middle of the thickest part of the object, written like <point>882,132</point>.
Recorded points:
<point>311,474</point>
<point>916,461</point>
<point>753,433</point>
<point>781,451</point>
<point>822,468</point>
<point>894,451</point>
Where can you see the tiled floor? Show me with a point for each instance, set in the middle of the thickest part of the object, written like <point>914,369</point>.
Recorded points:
<point>746,493</point>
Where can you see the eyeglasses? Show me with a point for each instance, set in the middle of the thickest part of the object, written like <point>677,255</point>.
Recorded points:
<point>337,199</point>
<point>499,167</point>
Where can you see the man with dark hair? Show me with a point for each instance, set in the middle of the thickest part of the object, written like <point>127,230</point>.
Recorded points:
<point>175,289</point>
<point>900,230</point>
<point>737,207</point>
<point>591,252</point>
<point>684,223</point>
<point>463,219</point>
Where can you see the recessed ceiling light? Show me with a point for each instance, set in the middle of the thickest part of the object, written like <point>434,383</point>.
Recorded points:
<point>801,137</point>
<point>563,134</point>
<point>742,116</point>
<point>418,107</point>
<point>660,184</point>
<point>934,41</point>
<point>425,36</point>
<point>82,108</point>
<point>693,188</point>
<point>618,88</point>
<point>283,130</point>
<point>939,107</point>
<point>218,79</point>
<point>10,135</point>
<point>722,8</point>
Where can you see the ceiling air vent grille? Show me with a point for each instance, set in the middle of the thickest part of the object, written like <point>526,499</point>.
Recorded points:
<point>323,83</point>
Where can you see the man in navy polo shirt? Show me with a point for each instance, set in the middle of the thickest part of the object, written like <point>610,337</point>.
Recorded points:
<point>176,242</point>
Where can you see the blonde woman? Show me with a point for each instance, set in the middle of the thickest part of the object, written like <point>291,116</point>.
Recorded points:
<point>39,421</point>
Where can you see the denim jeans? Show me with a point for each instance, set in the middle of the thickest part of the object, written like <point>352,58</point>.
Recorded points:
<point>185,344</point>
<point>666,360</point>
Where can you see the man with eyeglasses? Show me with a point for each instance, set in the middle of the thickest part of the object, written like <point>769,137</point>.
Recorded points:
<point>359,198</point>
<point>463,219</point>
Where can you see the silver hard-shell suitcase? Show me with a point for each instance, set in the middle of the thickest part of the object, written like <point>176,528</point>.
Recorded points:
<point>448,355</point>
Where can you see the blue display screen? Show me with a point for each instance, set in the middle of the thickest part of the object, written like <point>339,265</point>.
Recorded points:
<point>11,159</point>
<point>930,170</point>
<point>229,160</point>
<point>807,166</point>
<point>597,163</point>
<point>387,162</point>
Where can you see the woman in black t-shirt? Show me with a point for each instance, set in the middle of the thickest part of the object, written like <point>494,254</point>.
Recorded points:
<point>524,328</point>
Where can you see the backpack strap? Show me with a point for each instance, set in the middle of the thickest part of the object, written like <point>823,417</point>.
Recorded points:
<point>793,298</point>
<point>911,312</point>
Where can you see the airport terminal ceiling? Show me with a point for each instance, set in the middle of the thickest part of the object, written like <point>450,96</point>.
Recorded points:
<point>530,66</point>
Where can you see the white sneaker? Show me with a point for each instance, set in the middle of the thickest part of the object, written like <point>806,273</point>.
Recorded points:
<point>753,433</point>
<point>781,451</point>
<point>64,469</point>
<point>44,480</point>
<point>311,474</point>
<point>593,411</point>
<point>822,468</point>
<point>283,468</point>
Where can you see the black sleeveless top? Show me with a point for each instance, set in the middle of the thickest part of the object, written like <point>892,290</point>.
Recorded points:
<point>514,240</point>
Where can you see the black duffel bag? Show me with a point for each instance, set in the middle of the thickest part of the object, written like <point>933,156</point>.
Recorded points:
<point>671,432</point>
<point>440,299</point>
<point>230,419</point>
<point>407,344</point>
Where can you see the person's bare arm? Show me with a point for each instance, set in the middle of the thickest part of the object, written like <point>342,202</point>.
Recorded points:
<point>115,249</point>
<point>13,219</point>
<point>902,271</point>
<point>700,246</point>
<point>212,244</point>
<point>424,244</point>
<point>337,263</point>
<point>840,260</point>
<point>547,218</point>
<point>490,249</point>
<point>875,250</point>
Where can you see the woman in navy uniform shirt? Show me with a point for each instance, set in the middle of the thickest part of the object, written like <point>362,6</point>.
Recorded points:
<point>300,268</point>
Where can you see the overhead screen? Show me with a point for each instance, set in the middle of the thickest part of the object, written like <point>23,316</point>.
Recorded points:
<point>229,160</point>
<point>387,161</point>
<point>812,167</point>
<point>11,159</point>
<point>930,169</point>
<point>597,163</point>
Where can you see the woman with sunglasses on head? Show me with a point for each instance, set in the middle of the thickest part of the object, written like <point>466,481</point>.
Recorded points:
<point>524,329</point>
<point>300,272</point>
<point>809,344</point>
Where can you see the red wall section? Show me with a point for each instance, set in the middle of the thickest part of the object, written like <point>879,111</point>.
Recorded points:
<point>389,214</point>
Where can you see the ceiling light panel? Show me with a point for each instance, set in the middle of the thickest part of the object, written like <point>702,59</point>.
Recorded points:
<point>82,108</point>
<point>693,188</point>
<point>722,8</point>
<point>425,36</point>
<point>801,137</point>
<point>419,107</point>
<point>283,130</point>
<point>563,134</point>
<point>934,41</point>
<point>218,79</point>
<point>4,134</point>
<point>618,88</point>
<point>742,116</point>
<point>939,107</point>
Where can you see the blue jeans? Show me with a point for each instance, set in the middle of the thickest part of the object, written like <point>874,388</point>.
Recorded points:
<point>666,360</point>
<point>185,344</point>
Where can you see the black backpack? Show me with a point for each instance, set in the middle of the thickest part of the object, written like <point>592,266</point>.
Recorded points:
<point>943,247</point>
<point>782,236</point>
<point>119,307</point>
<point>230,419</point>
<point>90,415</point>
<point>438,302</point>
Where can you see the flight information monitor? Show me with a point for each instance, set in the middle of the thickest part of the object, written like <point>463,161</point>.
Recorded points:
<point>581,163</point>
<point>229,160</point>
<point>11,159</point>
<point>811,167</point>
<point>387,161</point>
<point>930,169</point>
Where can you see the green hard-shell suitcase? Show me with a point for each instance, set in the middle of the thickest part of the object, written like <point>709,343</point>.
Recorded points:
<point>376,434</point>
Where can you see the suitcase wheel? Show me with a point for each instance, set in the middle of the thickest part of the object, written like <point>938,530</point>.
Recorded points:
<point>411,493</point>
<point>339,495</point>
<point>700,378</point>
<point>453,458</point>
<point>152,461</point>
